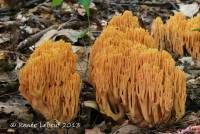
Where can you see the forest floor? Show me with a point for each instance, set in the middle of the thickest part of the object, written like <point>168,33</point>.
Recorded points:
<point>26,23</point>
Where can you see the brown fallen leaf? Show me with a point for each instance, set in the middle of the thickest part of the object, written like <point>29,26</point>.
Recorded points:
<point>93,131</point>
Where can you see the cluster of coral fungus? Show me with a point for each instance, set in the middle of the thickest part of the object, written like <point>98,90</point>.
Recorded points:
<point>50,83</point>
<point>177,35</point>
<point>132,77</point>
<point>131,72</point>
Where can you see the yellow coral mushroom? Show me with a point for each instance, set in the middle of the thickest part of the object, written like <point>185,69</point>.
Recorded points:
<point>140,82</point>
<point>50,83</point>
<point>132,77</point>
<point>158,32</point>
<point>177,34</point>
<point>139,35</point>
<point>192,38</point>
<point>111,35</point>
<point>126,20</point>
<point>175,27</point>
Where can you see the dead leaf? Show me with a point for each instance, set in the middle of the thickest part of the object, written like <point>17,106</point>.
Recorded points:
<point>91,104</point>
<point>48,35</point>
<point>66,7</point>
<point>187,60</point>
<point>4,38</point>
<point>189,9</point>
<point>15,109</point>
<point>19,63</point>
<point>82,63</point>
<point>127,129</point>
<point>72,35</point>
<point>93,131</point>
<point>3,4</point>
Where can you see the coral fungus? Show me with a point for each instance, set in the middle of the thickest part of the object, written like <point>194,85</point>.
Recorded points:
<point>110,35</point>
<point>49,81</point>
<point>124,21</point>
<point>177,34</point>
<point>132,78</point>
<point>158,32</point>
<point>139,81</point>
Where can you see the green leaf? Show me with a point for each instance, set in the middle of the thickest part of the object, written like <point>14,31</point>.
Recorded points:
<point>86,5</point>
<point>82,34</point>
<point>56,2</point>
<point>196,29</point>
